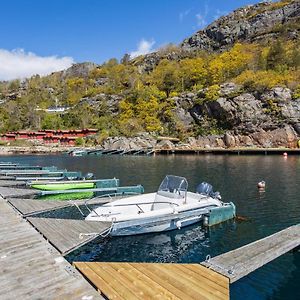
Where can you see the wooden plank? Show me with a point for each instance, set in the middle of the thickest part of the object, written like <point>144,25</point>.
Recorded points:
<point>33,269</point>
<point>111,280</point>
<point>67,235</point>
<point>97,280</point>
<point>8,192</point>
<point>137,283</point>
<point>10,183</point>
<point>144,282</point>
<point>28,207</point>
<point>154,281</point>
<point>180,282</point>
<point>211,288</point>
<point>210,274</point>
<point>244,260</point>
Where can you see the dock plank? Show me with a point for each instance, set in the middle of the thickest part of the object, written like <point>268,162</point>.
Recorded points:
<point>67,235</point>
<point>153,280</point>
<point>31,268</point>
<point>9,192</point>
<point>240,262</point>
<point>28,207</point>
<point>10,183</point>
<point>31,206</point>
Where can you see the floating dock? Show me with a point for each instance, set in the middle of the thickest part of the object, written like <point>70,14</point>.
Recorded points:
<point>193,150</point>
<point>31,268</point>
<point>68,235</point>
<point>155,281</point>
<point>244,260</point>
<point>30,207</point>
<point>9,192</point>
<point>222,151</point>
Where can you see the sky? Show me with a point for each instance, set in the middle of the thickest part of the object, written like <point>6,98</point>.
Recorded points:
<point>42,36</point>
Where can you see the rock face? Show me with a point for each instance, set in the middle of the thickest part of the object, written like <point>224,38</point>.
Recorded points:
<point>253,22</point>
<point>102,101</point>
<point>79,70</point>
<point>269,119</point>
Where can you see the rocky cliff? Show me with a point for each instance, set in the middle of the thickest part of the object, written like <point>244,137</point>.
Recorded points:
<point>265,119</point>
<point>262,21</point>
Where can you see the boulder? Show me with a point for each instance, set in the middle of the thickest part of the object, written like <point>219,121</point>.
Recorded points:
<point>278,94</point>
<point>165,144</point>
<point>229,140</point>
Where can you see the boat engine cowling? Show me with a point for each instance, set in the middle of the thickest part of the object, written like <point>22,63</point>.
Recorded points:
<point>205,188</point>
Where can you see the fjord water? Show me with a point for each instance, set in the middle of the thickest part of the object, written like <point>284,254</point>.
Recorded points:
<point>236,178</point>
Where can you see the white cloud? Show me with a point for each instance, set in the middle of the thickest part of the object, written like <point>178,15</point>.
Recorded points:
<point>143,48</point>
<point>20,64</point>
<point>201,21</point>
<point>220,13</point>
<point>183,14</point>
<point>201,17</point>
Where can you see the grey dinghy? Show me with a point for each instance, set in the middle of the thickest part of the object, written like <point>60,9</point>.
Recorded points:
<point>171,207</point>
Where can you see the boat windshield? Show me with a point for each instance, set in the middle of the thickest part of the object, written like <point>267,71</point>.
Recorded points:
<point>173,184</point>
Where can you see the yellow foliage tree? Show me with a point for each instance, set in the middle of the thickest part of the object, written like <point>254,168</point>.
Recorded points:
<point>193,71</point>
<point>231,63</point>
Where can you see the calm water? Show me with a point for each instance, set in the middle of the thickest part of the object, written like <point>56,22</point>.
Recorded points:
<point>236,178</point>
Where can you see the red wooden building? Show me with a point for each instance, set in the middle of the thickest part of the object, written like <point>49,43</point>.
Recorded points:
<point>66,137</point>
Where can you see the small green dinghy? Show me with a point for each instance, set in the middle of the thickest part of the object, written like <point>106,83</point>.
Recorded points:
<point>63,186</point>
<point>67,196</point>
<point>73,184</point>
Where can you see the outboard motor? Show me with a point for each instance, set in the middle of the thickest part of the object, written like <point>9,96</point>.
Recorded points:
<point>204,188</point>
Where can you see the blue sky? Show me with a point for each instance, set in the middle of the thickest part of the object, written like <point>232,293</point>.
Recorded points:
<point>96,30</point>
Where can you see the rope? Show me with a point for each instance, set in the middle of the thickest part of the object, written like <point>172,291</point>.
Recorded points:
<point>76,205</point>
<point>103,234</point>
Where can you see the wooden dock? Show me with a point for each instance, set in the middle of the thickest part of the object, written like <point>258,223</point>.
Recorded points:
<point>155,281</point>
<point>236,151</point>
<point>31,268</point>
<point>9,192</point>
<point>244,260</point>
<point>68,235</point>
<point>12,183</point>
<point>29,207</point>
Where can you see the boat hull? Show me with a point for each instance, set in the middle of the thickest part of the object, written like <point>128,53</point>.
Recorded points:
<point>158,224</point>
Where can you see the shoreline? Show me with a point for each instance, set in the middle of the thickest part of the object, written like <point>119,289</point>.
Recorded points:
<point>27,150</point>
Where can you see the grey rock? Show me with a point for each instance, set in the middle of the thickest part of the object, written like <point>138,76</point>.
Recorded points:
<point>278,94</point>
<point>229,88</point>
<point>79,70</point>
<point>229,140</point>
<point>253,22</point>
<point>165,144</point>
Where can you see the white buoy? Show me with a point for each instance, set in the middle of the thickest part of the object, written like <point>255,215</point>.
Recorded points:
<point>261,184</point>
<point>285,154</point>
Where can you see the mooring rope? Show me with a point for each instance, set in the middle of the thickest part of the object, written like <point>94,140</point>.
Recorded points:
<point>103,234</point>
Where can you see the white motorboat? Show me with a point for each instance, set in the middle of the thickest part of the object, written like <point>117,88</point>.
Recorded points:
<point>171,207</point>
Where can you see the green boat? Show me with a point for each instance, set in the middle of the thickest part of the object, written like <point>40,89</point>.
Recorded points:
<point>73,184</point>
<point>65,197</point>
<point>63,186</point>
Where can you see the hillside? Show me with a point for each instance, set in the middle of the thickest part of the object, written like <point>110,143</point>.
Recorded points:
<point>234,83</point>
<point>261,22</point>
